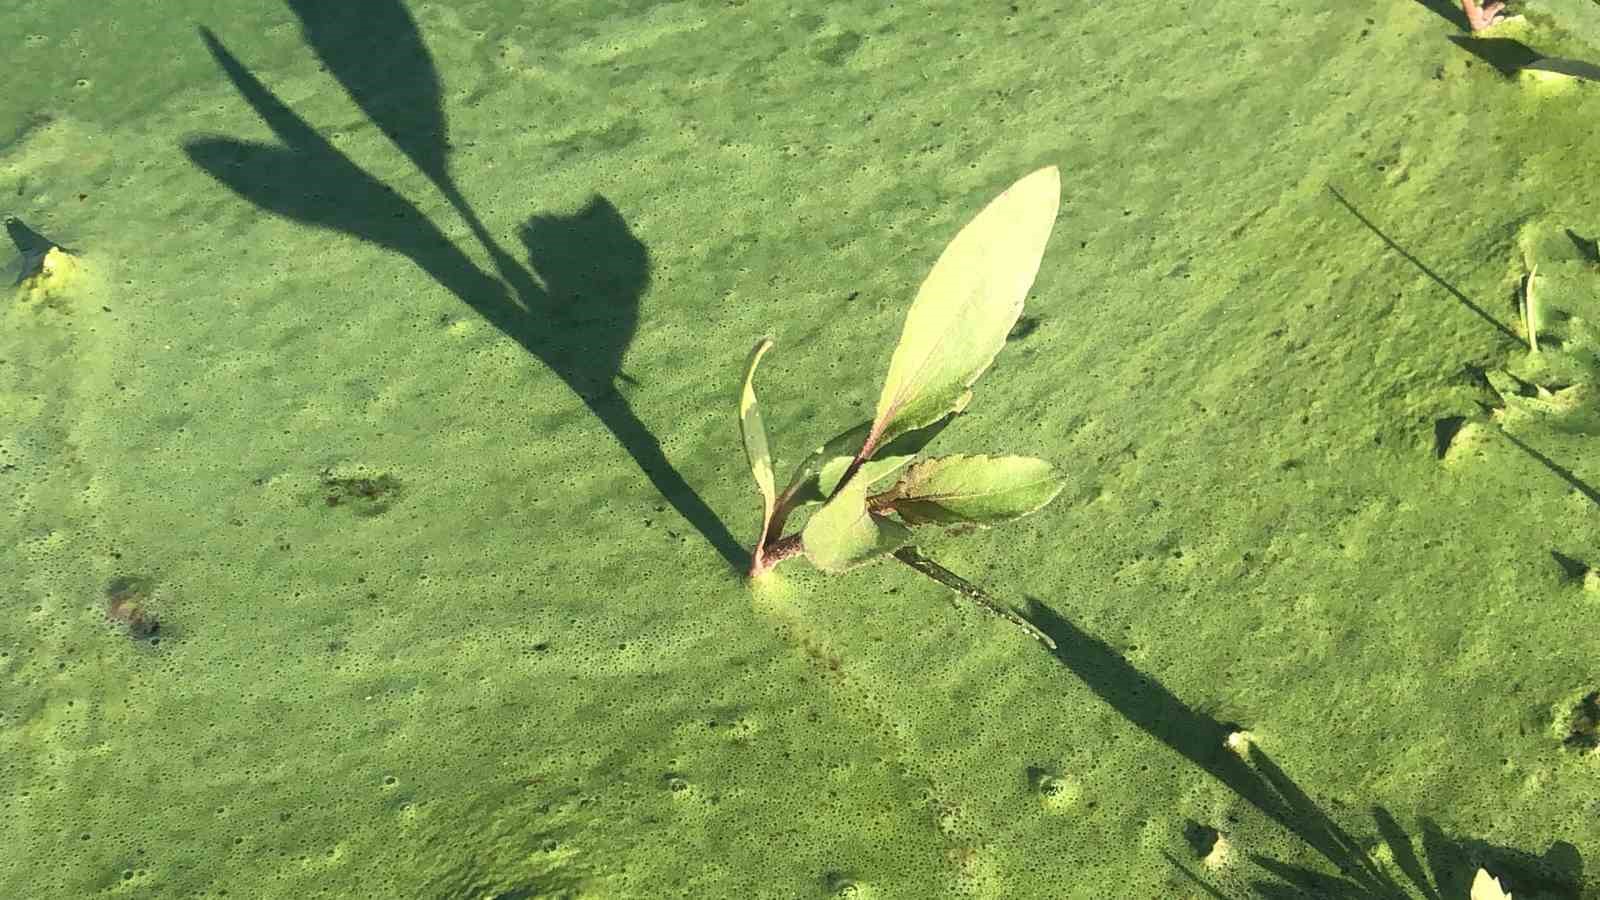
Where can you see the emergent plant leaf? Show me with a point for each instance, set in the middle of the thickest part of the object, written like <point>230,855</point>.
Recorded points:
<point>966,306</point>
<point>980,490</point>
<point>817,476</point>
<point>805,487</point>
<point>755,437</point>
<point>957,323</point>
<point>843,534</point>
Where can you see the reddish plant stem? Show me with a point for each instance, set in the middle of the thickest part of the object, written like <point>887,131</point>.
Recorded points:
<point>774,553</point>
<point>869,447</point>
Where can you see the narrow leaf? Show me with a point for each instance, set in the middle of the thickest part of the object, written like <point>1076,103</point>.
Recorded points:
<point>843,534</point>
<point>966,306</point>
<point>978,490</point>
<point>755,438</point>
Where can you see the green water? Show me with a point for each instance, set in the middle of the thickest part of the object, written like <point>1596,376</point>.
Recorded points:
<point>418,452</point>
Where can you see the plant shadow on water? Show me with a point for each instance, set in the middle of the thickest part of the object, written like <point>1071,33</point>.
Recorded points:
<point>1505,55</point>
<point>1449,11</point>
<point>593,269</point>
<point>1255,778</point>
<point>1463,299</point>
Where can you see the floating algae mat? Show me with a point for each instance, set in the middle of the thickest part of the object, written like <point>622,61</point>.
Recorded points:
<point>376,521</point>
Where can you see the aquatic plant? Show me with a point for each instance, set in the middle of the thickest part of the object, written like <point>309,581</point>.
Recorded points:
<point>127,603</point>
<point>956,325</point>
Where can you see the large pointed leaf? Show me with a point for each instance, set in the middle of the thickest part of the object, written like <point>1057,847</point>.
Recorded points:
<point>967,305</point>
<point>979,490</point>
<point>843,534</point>
<point>755,438</point>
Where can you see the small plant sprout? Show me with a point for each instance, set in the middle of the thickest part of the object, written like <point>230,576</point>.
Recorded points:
<point>1487,887</point>
<point>1221,853</point>
<point>1528,310</point>
<point>956,325</point>
<point>1239,742</point>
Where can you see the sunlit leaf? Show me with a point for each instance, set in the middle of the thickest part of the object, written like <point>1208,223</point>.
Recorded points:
<point>869,474</point>
<point>1487,887</point>
<point>844,534</point>
<point>966,306</point>
<point>755,437</point>
<point>979,490</point>
<point>818,475</point>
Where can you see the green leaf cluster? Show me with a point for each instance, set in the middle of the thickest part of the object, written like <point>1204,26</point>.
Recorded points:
<point>956,325</point>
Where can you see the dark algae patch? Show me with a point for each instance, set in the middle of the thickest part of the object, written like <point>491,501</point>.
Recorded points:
<point>127,603</point>
<point>1582,724</point>
<point>365,496</point>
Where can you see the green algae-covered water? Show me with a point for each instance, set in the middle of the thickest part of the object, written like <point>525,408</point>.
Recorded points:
<point>374,509</point>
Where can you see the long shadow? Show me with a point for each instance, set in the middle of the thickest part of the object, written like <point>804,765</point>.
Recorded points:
<point>1257,779</point>
<point>1462,298</point>
<point>1505,55</point>
<point>1560,471</point>
<point>1450,12</point>
<point>1451,863</point>
<point>593,269</point>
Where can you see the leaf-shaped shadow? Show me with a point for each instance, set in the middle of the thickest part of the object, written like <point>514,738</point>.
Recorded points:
<point>595,267</point>
<point>591,264</point>
<point>307,179</point>
<point>1449,12</point>
<point>376,52</point>
<point>1145,702</point>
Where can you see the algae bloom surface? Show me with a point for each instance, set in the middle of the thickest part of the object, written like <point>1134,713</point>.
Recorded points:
<point>372,505</point>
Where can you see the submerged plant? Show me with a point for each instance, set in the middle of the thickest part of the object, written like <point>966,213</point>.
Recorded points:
<point>956,325</point>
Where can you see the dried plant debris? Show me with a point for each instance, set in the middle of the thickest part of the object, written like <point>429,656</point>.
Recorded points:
<point>367,496</point>
<point>128,604</point>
